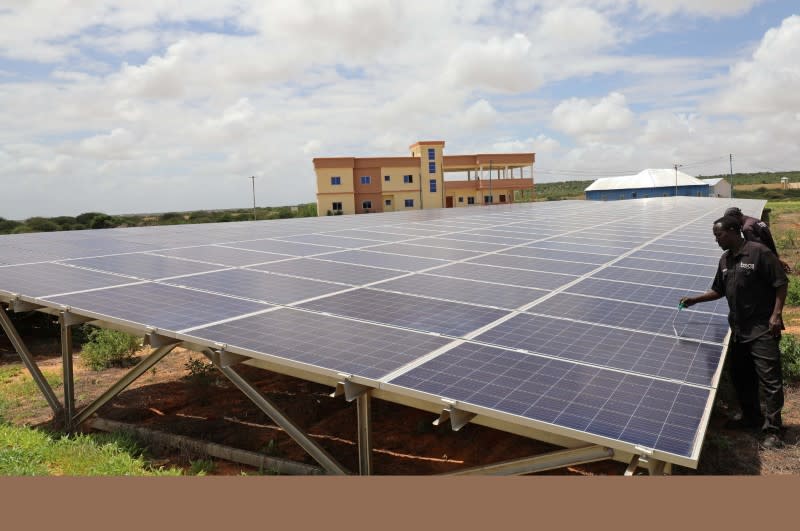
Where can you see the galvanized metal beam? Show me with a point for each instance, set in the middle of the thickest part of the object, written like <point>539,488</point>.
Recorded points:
<point>540,463</point>
<point>66,364</point>
<point>123,382</point>
<point>364,413</point>
<point>272,411</point>
<point>27,359</point>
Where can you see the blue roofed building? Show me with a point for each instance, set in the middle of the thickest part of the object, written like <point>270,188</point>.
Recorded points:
<point>647,183</point>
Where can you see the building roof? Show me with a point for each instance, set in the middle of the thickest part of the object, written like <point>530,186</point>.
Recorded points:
<point>713,181</point>
<point>649,178</point>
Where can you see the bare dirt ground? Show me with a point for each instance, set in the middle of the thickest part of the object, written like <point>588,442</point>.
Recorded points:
<point>167,399</point>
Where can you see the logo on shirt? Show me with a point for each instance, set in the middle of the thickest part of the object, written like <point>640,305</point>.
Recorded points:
<point>747,267</point>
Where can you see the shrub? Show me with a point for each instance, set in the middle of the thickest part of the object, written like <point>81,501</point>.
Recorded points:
<point>790,357</point>
<point>109,348</point>
<point>793,295</point>
<point>200,372</point>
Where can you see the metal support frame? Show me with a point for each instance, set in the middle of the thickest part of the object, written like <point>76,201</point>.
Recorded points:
<point>361,394</point>
<point>124,382</point>
<point>66,364</point>
<point>295,432</point>
<point>654,467</point>
<point>27,359</point>
<point>540,463</point>
<point>458,418</point>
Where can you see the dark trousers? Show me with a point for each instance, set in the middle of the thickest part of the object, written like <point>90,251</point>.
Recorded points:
<point>753,363</point>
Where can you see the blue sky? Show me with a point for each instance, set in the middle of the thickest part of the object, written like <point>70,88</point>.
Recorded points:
<point>127,106</point>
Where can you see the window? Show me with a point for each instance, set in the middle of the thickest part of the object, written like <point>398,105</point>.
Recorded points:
<point>460,199</point>
<point>336,205</point>
<point>387,178</point>
<point>431,154</point>
<point>488,199</point>
<point>408,179</point>
<point>366,204</point>
<point>409,203</point>
<point>431,167</point>
<point>388,202</point>
<point>502,198</point>
<point>633,195</point>
<point>365,179</point>
<point>470,200</point>
<point>433,185</point>
<point>336,180</point>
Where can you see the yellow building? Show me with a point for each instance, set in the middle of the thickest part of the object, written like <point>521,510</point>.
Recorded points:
<point>357,185</point>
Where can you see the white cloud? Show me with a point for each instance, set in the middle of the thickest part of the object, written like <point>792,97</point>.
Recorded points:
<point>574,29</point>
<point>699,7</point>
<point>578,116</point>
<point>496,64</point>
<point>770,81</point>
<point>479,114</point>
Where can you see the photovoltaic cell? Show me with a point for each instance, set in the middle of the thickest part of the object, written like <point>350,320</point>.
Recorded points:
<point>224,256</point>
<point>690,324</point>
<point>355,275</point>
<point>332,240</point>
<point>361,349</point>
<point>456,242</point>
<point>626,291</point>
<point>636,352</point>
<point>463,290</point>
<point>158,305</point>
<point>425,252</point>
<point>36,280</point>
<point>427,315</point>
<point>390,261</point>
<point>594,249</point>
<point>535,264</point>
<point>706,271</point>
<point>674,257</point>
<point>585,258</point>
<point>257,285</point>
<point>144,266</point>
<point>280,247</point>
<point>628,408</point>
<point>656,278</point>
<point>505,275</point>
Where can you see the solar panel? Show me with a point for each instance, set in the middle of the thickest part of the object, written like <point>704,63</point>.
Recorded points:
<point>523,314</point>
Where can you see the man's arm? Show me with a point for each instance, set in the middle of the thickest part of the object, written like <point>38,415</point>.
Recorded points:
<point>776,319</point>
<point>709,295</point>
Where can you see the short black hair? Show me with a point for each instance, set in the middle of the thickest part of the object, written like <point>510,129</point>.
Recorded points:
<point>733,211</point>
<point>729,223</point>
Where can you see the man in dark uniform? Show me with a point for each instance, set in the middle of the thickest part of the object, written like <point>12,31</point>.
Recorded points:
<point>755,230</point>
<point>751,278</point>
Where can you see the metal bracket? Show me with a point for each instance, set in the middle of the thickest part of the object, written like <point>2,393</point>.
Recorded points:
<point>19,305</point>
<point>632,466</point>
<point>71,319</point>
<point>458,418</point>
<point>156,340</point>
<point>228,359</point>
<point>349,389</point>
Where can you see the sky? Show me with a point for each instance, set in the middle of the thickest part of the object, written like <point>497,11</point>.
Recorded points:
<point>135,106</point>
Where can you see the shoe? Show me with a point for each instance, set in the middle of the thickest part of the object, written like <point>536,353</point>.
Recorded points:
<point>742,424</point>
<point>771,441</point>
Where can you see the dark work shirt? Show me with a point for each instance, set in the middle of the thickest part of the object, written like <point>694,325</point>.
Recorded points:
<point>749,280</point>
<point>755,230</point>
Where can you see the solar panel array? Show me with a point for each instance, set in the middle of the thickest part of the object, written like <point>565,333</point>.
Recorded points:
<point>560,316</point>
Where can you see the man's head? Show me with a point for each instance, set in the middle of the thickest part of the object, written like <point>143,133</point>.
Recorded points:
<point>728,232</point>
<point>735,212</point>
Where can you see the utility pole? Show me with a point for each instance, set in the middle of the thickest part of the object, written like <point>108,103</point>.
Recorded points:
<point>253,179</point>
<point>676,178</point>
<point>730,157</point>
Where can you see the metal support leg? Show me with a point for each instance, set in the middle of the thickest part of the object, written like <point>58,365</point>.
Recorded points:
<point>364,411</point>
<point>314,450</point>
<point>541,463</point>
<point>27,359</point>
<point>123,382</point>
<point>66,362</point>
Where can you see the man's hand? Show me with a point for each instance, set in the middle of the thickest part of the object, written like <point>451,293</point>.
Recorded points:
<point>686,302</point>
<point>785,266</point>
<point>775,324</point>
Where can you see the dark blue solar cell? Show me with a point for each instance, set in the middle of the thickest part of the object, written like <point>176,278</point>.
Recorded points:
<point>224,256</point>
<point>456,242</point>
<point>621,407</point>
<point>504,275</point>
<point>422,251</point>
<point>690,324</point>
<point>281,247</point>
<point>256,285</point>
<point>675,257</point>
<point>637,352</point>
<point>614,250</point>
<point>409,312</point>
<point>706,271</point>
<point>683,249</point>
<point>655,278</point>
<point>350,347</point>
<point>315,268</point>
<point>552,254</point>
<point>332,240</point>
<point>535,264</point>
<point>158,305</point>
<point>626,291</point>
<point>36,280</point>
<point>387,260</point>
<point>143,266</point>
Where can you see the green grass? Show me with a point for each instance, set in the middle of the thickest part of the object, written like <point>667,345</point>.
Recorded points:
<point>31,452</point>
<point>19,392</point>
